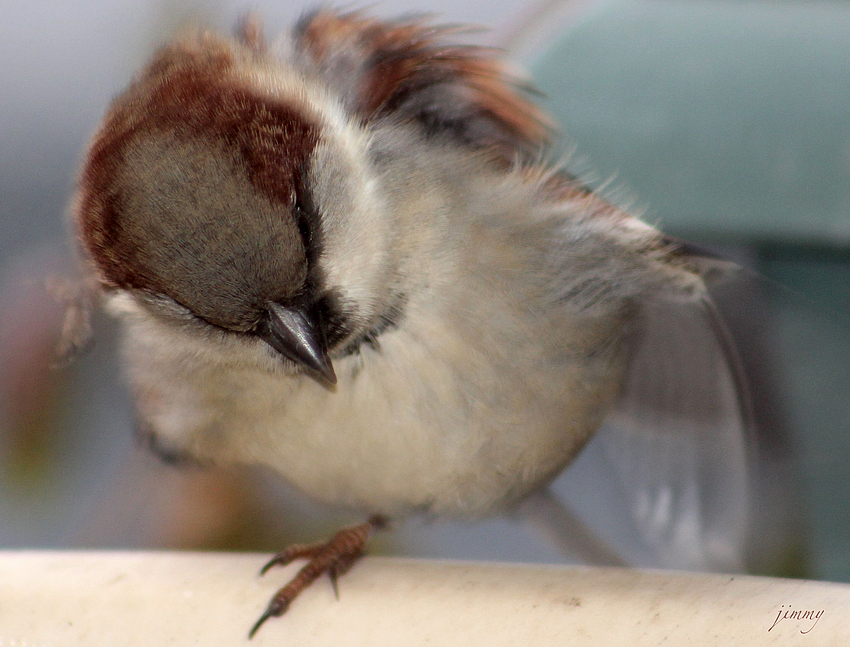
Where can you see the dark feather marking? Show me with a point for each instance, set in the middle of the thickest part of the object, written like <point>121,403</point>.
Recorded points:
<point>168,454</point>
<point>389,320</point>
<point>328,301</point>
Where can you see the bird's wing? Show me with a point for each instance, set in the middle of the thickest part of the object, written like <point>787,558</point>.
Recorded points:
<point>409,70</point>
<point>679,441</point>
<point>666,481</point>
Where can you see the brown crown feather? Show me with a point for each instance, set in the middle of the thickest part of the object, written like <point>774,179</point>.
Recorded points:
<point>187,89</point>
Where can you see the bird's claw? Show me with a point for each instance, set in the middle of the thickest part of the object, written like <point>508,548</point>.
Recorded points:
<point>334,557</point>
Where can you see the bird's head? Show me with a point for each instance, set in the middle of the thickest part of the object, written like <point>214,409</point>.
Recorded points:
<point>222,188</point>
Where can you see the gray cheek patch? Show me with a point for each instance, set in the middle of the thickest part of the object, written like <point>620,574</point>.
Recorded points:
<point>202,234</point>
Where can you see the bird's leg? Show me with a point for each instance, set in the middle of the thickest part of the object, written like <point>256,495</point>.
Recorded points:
<point>335,557</point>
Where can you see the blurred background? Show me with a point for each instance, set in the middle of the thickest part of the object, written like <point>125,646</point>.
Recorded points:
<point>724,122</point>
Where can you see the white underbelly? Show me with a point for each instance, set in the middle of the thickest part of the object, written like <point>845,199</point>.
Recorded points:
<point>394,443</point>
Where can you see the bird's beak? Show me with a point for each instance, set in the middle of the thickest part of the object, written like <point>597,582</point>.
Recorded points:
<point>298,334</point>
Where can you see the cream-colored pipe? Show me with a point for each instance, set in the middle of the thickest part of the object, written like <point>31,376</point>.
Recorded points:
<point>124,598</point>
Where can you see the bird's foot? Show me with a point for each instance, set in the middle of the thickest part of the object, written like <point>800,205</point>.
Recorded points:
<point>334,557</point>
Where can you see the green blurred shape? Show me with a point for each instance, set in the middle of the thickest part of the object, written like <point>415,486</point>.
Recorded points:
<point>729,120</point>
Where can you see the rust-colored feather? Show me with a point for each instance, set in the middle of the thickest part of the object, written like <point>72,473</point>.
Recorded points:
<point>403,68</point>
<point>187,90</point>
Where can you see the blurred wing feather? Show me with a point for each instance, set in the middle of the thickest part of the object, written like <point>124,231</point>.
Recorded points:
<point>405,70</point>
<point>679,438</point>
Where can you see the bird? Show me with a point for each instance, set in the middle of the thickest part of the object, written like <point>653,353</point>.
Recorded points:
<point>347,255</point>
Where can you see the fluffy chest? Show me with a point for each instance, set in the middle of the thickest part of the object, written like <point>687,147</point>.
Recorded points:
<point>419,423</point>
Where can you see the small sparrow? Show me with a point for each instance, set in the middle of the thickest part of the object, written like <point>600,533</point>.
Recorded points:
<point>344,257</point>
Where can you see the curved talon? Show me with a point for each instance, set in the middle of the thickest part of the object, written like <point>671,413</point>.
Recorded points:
<point>275,609</point>
<point>268,565</point>
<point>340,567</point>
<point>333,574</point>
<point>291,553</point>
